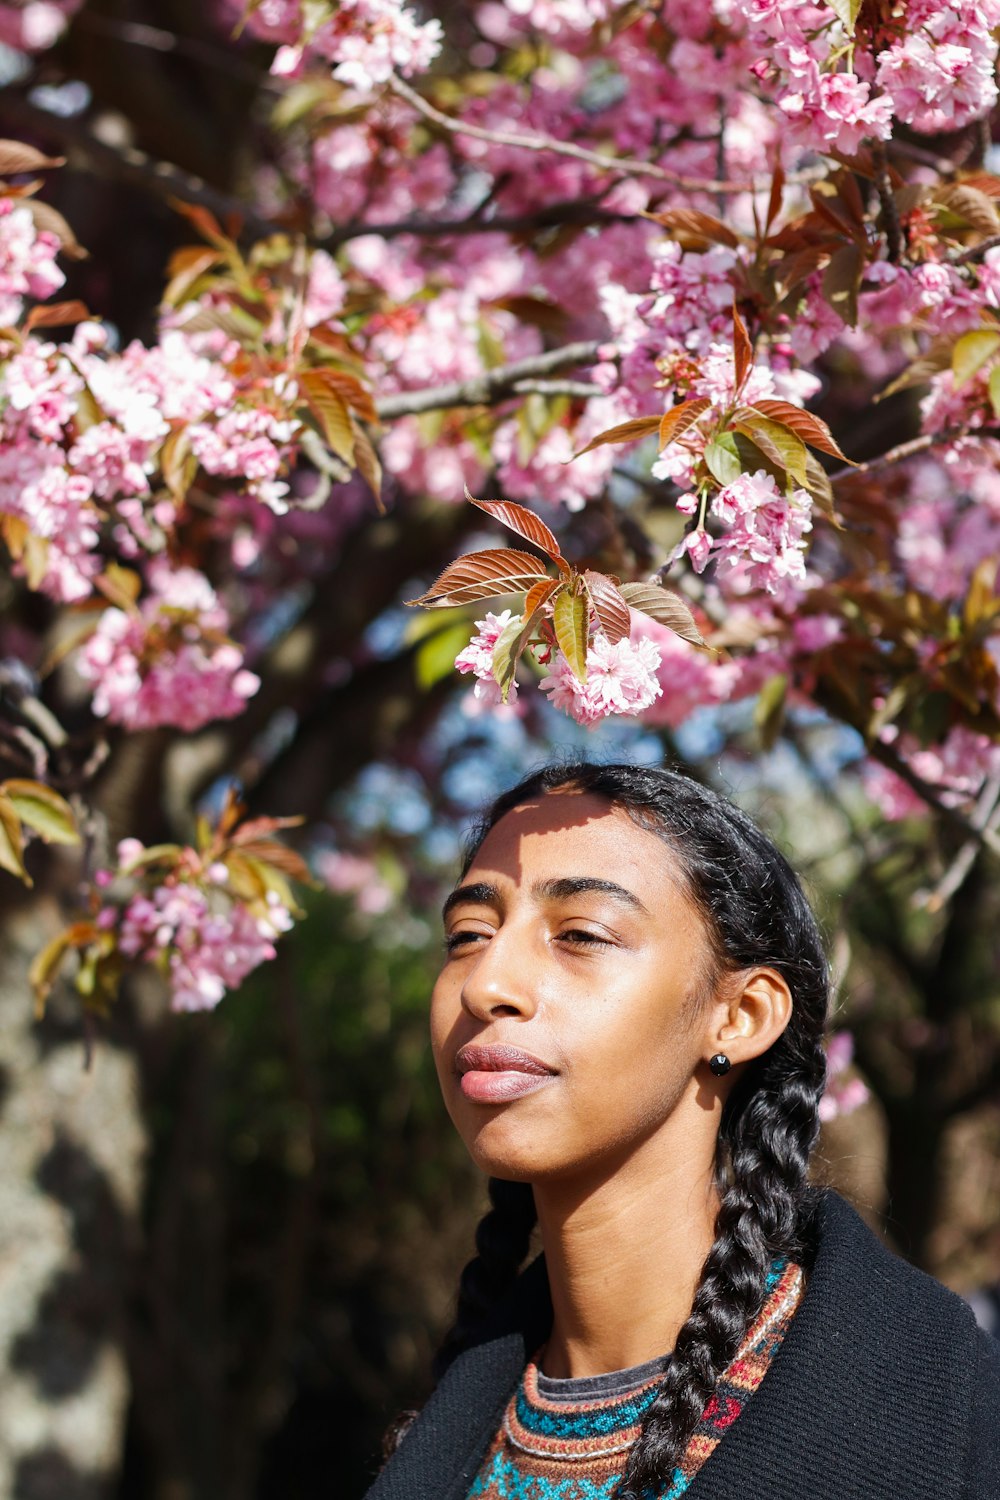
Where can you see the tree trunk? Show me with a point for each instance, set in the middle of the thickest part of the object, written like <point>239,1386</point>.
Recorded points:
<point>72,1147</point>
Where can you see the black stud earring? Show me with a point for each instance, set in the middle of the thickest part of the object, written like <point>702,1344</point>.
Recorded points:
<point>719,1064</point>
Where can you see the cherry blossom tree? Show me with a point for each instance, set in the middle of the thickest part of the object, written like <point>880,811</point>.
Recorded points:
<point>649,352</point>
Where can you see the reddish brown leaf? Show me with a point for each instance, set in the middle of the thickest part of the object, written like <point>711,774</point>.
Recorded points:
<point>810,428</point>
<point>255,829</point>
<point>350,390</point>
<point>695,230</point>
<point>204,221</point>
<point>368,464</point>
<point>278,856</point>
<point>675,422</point>
<point>16,157</point>
<point>540,593</point>
<point>742,349</point>
<point>609,606</point>
<point>331,413</point>
<point>625,432</point>
<point>483,575</point>
<point>521,520</point>
<point>186,266</point>
<point>650,599</point>
<point>47,217</point>
<point>775,198</point>
<point>831,217</point>
<point>56,315</point>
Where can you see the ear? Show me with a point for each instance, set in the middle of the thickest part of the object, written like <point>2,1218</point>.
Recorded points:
<point>750,1015</point>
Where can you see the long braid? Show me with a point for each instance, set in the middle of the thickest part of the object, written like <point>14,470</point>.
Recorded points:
<point>756,914</point>
<point>503,1236</point>
<point>763,1216</point>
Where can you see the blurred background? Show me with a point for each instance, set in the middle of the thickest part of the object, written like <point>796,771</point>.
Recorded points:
<point>229,1241</point>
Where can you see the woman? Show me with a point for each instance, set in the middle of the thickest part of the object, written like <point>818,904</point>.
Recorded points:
<point>628,1032</point>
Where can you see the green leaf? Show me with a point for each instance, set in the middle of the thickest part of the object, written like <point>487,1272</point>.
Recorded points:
<point>43,810</point>
<point>722,458</point>
<point>11,843</point>
<point>778,441</point>
<point>156,854</point>
<point>507,651</point>
<point>846,11</point>
<point>435,656</point>
<point>769,710</point>
<point>971,353</point>
<point>994,389</point>
<point>842,282</point>
<point>571,624</point>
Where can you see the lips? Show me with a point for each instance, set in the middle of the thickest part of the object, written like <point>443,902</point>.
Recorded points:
<point>497,1073</point>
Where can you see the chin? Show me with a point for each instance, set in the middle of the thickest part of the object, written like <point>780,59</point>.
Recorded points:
<point>504,1147</point>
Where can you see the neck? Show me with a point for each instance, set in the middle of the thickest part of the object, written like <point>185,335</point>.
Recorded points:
<point>624,1254</point>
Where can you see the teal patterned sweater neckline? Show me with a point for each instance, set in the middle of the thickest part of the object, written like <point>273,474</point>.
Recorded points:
<point>550,1449</point>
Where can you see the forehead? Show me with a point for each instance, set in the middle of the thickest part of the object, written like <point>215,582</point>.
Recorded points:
<point>576,833</point>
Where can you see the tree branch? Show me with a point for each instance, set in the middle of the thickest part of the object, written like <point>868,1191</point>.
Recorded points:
<point>985,818</point>
<point>514,379</point>
<point>627,166</point>
<point>909,449</point>
<point>978,835</point>
<point>970,253</point>
<point>553,216</point>
<point>163,179</point>
<point>890,213</point>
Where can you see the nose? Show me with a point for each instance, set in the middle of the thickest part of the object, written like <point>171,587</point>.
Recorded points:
<point>501,982</point>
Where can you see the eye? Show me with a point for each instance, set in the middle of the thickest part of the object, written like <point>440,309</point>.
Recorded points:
<point>453,941</point>
<point>585,938</point>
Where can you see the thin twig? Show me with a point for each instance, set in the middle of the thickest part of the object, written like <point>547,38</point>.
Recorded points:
<point>903,451</point>
<point>551,216</point>
<point>627,166</point>
<point>890,213</point>
<point>980,836</point>
<point>985,817</point>
<point>970,253</point>
<point>493,385</point>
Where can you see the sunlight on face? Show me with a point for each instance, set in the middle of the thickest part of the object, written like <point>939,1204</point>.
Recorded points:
<point>565,1019</point>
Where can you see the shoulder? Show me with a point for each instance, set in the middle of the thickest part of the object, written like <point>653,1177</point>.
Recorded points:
<point>904,1335</point>
<point>852,1260</point>
<point>982,1481</point>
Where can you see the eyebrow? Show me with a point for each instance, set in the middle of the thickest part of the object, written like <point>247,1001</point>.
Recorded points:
<point>482,893</point>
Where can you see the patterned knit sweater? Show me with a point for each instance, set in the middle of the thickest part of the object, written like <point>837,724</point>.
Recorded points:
<point>576,1450</point>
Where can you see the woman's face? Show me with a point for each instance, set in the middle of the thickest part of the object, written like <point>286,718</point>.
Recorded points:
<point>568,1019</point>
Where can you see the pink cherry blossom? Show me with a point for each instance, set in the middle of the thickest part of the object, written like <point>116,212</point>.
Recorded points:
<point>27,260</point>
<point>209,946</point>
<point>844,1094</point>
<point>766,530</point>
<point>366,40</point>
<point>477,658</point>
<point>170,662</point>
<point>621,679</point>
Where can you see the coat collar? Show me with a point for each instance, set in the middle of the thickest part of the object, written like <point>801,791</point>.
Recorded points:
<point>869,1381</point>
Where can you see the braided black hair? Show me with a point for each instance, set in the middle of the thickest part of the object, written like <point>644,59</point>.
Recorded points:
<point>756,914</point>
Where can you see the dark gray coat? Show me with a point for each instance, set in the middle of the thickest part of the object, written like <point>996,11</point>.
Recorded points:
<point>883,1389</point>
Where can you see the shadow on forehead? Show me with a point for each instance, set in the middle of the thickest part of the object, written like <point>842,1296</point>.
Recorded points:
<point>602,861</point>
